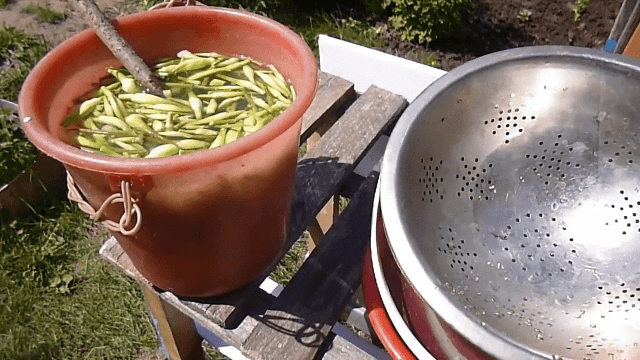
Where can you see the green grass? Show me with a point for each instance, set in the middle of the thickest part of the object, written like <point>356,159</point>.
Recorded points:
<point>579,8</point>
<point>19,52</point>
<point>349,29</point>
<point>290,263</point>
<point>59,300</point>
<point>4,3</point>
<point>43,13</point>
<point>16,152</point>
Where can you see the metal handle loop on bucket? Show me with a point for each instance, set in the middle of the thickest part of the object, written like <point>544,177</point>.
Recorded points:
<point>130,207</point>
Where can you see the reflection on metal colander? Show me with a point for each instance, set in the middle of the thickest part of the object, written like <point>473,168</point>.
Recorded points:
<point>512,187</point>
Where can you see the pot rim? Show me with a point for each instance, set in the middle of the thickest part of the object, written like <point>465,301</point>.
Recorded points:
<point>419,275</point>
<point>401,328</point>
<point>68,154</point>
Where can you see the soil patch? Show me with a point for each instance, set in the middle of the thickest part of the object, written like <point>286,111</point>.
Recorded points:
<point>496,25</point>
<point>57,32</point>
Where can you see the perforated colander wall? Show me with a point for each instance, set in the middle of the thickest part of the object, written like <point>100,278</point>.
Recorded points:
<point>529,235</point>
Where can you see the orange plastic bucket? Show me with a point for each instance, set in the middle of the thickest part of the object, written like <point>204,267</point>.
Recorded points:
<point>212,220</point>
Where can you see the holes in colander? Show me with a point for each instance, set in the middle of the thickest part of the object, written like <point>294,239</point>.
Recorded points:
<point>549,164</point>
<point>470,180</point>
<point>624,217</point>
<point>534,243</point>
<point>510,123</point>
<point>432,180</point>
<point>455,249</point>
<point>618,297</point>
<point>617,154</point>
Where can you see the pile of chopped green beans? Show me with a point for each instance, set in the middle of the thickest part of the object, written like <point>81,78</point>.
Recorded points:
<point>210,100</point>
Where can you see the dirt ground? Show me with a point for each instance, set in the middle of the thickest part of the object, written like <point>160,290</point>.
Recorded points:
<point>494,25</point>
<point>55,33</point>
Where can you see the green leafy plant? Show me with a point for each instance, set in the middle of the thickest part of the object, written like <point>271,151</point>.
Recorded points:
<point>43,13</point>
<point>426,20</point>
<point>524,15</point>
<point>423,57</point>
<point>579,8</point>
<point>4,3</point>
<point>375,7</point>
<point>431,60</point>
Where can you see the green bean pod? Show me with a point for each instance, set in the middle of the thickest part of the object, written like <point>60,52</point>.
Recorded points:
<point>210,100</point>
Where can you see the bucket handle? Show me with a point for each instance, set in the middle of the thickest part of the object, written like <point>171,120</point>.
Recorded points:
<point>124,197</point>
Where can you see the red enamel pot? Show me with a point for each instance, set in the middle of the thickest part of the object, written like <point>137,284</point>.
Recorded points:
<point>386,291</point>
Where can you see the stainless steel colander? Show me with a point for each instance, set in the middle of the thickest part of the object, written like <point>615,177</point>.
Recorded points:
<point>510,193</point>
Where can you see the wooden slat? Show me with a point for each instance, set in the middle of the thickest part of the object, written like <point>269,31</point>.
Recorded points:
<point>312,302</point>
<point>234,337</point>
<point>113,253</point>
<point>361,124</point>
<point>218,314</point>
<point>326,167</point>
<point>342,349</point>
<point>211,316</point>
<point>319,175</point>
<point>320,290</point>
<point>230,311</point>
<point>333,95</point>
<point>177,330</point>
<point>347,345</point>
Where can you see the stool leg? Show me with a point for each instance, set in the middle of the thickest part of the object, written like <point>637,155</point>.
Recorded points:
<point>323,221</point>
<point>177,331</point>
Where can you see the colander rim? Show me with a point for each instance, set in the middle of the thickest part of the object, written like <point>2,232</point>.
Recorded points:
<point>419,275</point>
